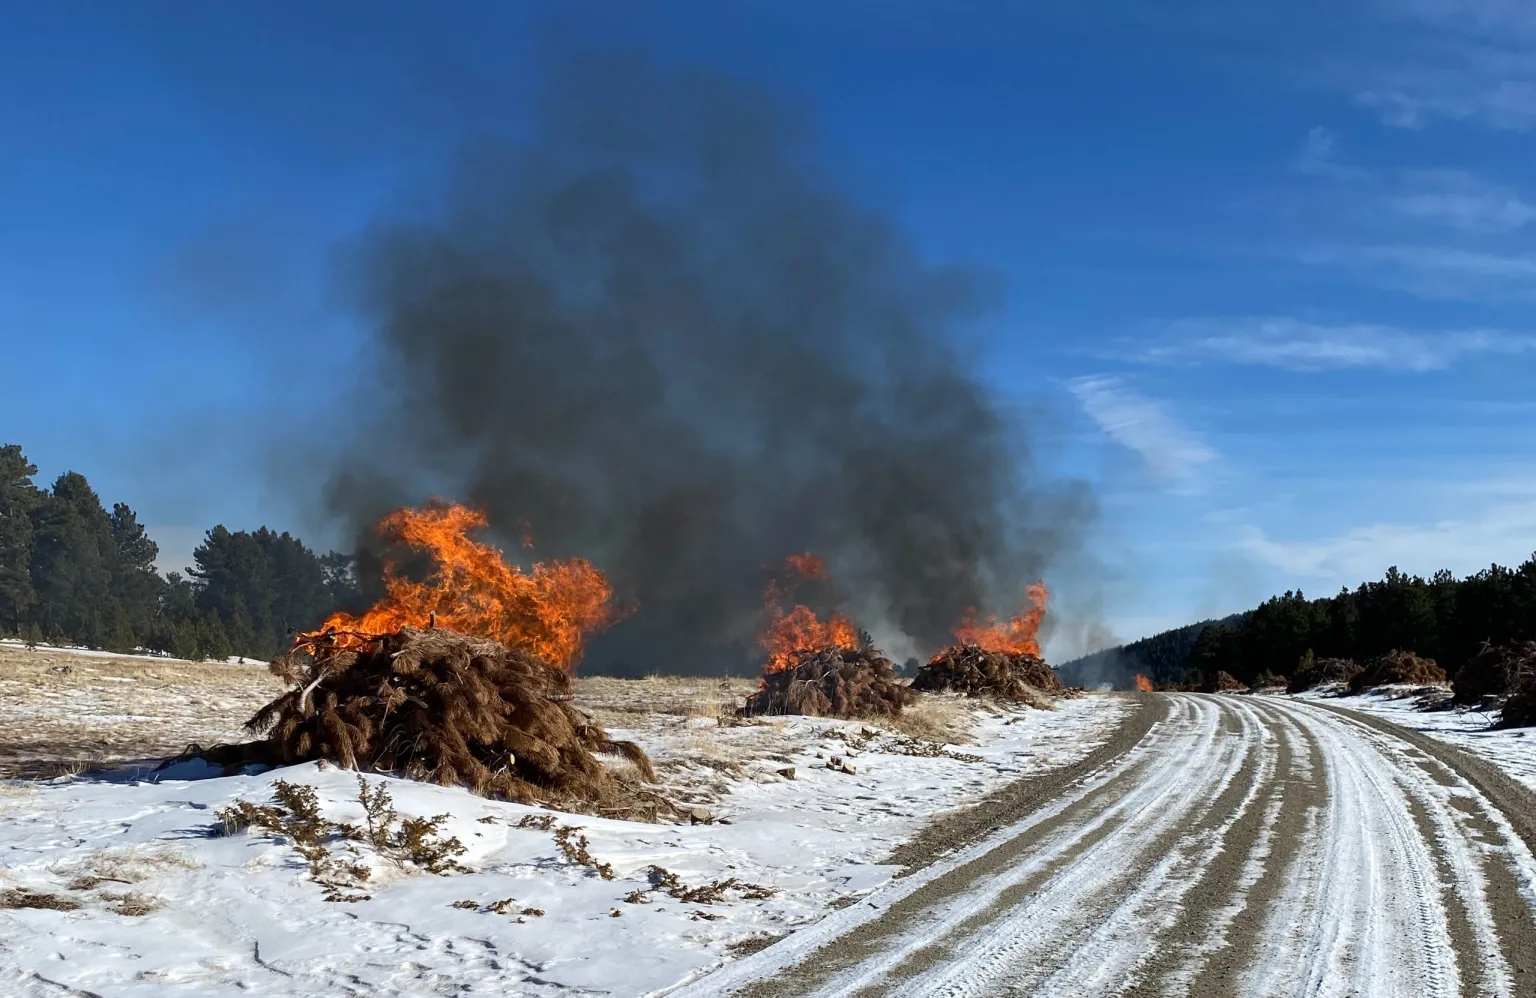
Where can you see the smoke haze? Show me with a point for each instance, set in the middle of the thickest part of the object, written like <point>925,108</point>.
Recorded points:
<point>657,334</point>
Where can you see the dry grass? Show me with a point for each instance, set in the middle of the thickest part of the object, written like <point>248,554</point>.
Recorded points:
<point>21,897</point>
<point>111,709</point>
<point>937,718</point>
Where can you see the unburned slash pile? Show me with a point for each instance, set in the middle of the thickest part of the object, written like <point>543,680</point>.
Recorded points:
<point>1520,709</point>
<point>1496,671</point>
<point>433,704</point>
<point>1223,682</point>
<point>1323,672</point>
<point>1398,667</point>
<point>974,671</point>
<point>833,682</point>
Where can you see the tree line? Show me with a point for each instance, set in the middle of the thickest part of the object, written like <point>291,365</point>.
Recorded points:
<point>1442,617</point>
<point>73,573</point>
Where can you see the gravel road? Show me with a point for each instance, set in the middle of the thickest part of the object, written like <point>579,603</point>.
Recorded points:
<point>1218,846</point>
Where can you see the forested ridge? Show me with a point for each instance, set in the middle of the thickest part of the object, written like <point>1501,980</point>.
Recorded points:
<point>1442,617</point>
<point>71,572</point>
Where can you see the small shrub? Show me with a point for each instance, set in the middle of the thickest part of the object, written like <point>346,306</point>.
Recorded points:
<point>574,845</point>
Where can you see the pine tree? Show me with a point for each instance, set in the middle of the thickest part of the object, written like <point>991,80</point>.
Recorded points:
<point>136,585</point>
<point>19,498</point>
<point>72,559</point>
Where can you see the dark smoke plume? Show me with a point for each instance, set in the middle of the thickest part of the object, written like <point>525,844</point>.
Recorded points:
<point>658,335</point>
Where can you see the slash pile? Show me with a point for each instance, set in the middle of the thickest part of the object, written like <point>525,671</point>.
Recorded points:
<point>1223,682</point>
<point>1398,667</point>
<point>972,670</point>
<point>1495,671</point>
<point>1325,671</point>
<point>433,704</point>
<point>1520,709</point>
<point>833,682</point>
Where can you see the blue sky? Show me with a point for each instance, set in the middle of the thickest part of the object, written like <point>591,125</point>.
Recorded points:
<point>1269,271</point>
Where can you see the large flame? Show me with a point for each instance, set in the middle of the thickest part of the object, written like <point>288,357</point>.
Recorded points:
<point>788,634</point>
<point>548,610</point>
<point>1143,683</point>
<point>1018,636</point>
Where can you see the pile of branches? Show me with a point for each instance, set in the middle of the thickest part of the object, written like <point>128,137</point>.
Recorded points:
<point>1398,667</point>
<point>833,682</point>
<point>1520,709</point>
<point>1324,672</point>
<point>1496,671</point>
<point>436,705</point>
<point>970,669</point>
<point>1223,682</point>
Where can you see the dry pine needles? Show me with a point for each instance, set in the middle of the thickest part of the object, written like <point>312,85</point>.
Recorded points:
<point>974,671</point>
<point>433,704</point>
<point>1398,667</point>
<point>833,682</point>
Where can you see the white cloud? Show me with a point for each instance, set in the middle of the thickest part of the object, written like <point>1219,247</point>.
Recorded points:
<point>1503,533</point>
<point>1462,201</point>
<point>1318,160</point>
<point>1435,271</point>
<point>1307,346</point>
<point>1141,425</point>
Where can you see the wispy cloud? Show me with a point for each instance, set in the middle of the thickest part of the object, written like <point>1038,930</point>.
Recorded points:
<point>1474,60</point>
<point>1142,425</point>
<point>1435,271</point>
<point>1308,346</point>
<point>1502,534</point>
<point>1462,201</point>
<point>1454,198</point>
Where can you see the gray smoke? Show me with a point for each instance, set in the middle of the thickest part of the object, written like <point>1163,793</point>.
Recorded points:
<point>661,337</point>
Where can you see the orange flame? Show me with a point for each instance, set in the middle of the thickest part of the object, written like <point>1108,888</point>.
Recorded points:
<point>788,635</point>
<point>547,611</point>
<point>1143,683</point>
<point>1019,636</point>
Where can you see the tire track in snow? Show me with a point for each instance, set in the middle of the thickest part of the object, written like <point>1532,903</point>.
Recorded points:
<point>1253,846</point>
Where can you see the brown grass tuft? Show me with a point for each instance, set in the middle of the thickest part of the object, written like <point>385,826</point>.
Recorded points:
<point>21,897</point>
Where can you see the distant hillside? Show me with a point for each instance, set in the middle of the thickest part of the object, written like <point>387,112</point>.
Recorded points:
<point>1441,617</point>
<point>1163,658</point>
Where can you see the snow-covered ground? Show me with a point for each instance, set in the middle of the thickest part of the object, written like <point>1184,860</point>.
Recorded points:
<point>1511,749</point>
<point>239,914</point>
<point>75,651</point>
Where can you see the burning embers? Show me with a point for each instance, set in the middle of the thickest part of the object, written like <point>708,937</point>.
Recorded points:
<point>547,611</point>
<point>996,658</point>
<point>822,667</point>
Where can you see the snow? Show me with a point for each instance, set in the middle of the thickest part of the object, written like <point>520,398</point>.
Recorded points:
<point>238,914</point>
<point>81,651</point>
<point>1511,749</point>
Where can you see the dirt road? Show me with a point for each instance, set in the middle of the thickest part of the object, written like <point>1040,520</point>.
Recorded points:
<point>1222,846</point>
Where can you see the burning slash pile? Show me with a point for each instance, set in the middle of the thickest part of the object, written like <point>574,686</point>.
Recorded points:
<point>823,668</point>
<point>431,702</point>
<point>996,659</point>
